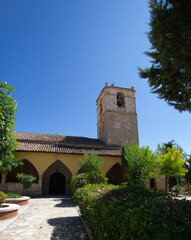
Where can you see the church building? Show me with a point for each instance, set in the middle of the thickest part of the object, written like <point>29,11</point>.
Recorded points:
<point>53,159</point>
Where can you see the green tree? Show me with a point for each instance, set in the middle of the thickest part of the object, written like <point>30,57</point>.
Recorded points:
<point>26,180</point>
<point>171,164</point>
<point>91,165</point>
<point>170,36</point>
<point>91,162</point>
<point>8,142</point>
<point>163,148</point>
<point>139,163</point>
<point>188,167</point>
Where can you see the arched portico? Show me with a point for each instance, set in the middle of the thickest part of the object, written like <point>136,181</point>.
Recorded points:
<point>50,178</point>
<point>27,168</point>
<point>115,174</point>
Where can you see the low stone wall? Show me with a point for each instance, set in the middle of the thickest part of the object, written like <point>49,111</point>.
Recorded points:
<point>34,190</point>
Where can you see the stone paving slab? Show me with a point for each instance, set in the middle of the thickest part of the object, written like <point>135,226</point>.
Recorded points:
<point>43,219</point>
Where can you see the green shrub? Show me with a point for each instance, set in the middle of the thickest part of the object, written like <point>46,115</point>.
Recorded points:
<point>131,212</point>
<point>83,179</point>
<point>91,162</point>
<point>2,197</point>
<point>139,163</point>
<point>86,198</point>
<point>26,180</point>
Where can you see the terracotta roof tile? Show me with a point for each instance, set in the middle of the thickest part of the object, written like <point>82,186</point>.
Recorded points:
<point>25,136</point>
<point>51,143</point>
<point>53,148</point>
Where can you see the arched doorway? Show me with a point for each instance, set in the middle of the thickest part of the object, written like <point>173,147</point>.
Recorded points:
<point>57,183</point>
<point>58,172</point>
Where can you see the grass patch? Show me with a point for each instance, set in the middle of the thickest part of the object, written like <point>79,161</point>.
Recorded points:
<point>13,195</point>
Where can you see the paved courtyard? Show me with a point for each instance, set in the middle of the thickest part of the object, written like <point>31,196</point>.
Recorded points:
<point>43,219</point>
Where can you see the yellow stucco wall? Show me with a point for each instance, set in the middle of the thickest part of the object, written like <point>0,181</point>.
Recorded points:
<point>42,161</point>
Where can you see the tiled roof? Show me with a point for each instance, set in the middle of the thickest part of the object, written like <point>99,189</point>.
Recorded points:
<point>53,148</point>
<point>56,138</point>
<point>35,142</point>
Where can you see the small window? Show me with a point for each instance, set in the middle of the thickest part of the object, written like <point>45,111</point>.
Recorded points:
<point>100,107</point>
<point>120,100</point>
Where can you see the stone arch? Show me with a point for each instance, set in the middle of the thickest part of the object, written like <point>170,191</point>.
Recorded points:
<point>56,167</point>
<point>115,174</point>
<point>120,99</point>
<point>27,168</point>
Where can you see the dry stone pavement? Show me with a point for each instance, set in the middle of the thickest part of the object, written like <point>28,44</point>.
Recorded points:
<point>45,218</point>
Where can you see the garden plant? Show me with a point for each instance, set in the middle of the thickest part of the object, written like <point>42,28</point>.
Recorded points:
<point>91,165</point>
<point>129,211</point>
<point>26,180</point>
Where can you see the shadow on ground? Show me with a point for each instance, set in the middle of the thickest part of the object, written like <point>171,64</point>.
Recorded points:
<point>67,228</point>
<point>65,202</point>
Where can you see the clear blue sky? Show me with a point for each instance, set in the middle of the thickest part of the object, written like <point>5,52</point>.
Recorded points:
<point>58,54</point>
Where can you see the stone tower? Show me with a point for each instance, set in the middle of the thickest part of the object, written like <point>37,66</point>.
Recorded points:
<point>116,116</point>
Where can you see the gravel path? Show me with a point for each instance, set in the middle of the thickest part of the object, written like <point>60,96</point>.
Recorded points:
<point>43,219</point>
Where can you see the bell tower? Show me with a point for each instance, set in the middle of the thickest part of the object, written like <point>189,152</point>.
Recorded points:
<point>116,116</point>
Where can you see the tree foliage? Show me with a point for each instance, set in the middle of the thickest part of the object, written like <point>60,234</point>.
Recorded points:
<point>171,164</point>
<point>139,163</point>
<point>8,142</point>
<point>163,148</point>
<point>91,162</point>
<point>25,179</point>
<point>170,38</point>
<point>188,167</point>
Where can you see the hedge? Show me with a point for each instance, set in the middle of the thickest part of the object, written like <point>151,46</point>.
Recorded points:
<point>83,179</point>
<point>131,212</point>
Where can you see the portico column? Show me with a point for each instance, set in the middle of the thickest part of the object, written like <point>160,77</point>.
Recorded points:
<point>3,184</point>
<point>40,176</point>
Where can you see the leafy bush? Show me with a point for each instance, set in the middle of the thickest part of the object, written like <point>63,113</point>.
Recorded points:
<point>83,179</point>
<point>2,197</point>
<point>25,179</point>
<point>131,212</point>
<point>91,162</point>
<point>139,163</point>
